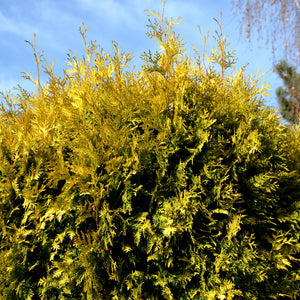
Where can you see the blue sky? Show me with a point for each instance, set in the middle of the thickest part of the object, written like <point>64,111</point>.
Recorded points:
<point>56,24</point>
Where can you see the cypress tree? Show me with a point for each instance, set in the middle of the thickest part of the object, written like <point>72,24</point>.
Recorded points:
<point>171,182</point>
<point>289,95</point>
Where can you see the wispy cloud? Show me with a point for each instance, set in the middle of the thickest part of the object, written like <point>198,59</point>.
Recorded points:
<point>15,27</point>
<point>113,13</point>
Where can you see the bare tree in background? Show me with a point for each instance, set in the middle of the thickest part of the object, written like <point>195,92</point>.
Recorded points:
<point>277,22</point>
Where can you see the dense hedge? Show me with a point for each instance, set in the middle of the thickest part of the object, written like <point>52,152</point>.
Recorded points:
<point>174,181</point>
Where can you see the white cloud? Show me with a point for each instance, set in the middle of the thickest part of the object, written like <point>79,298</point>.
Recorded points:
<point>15,27</point>
<point>116,14</point>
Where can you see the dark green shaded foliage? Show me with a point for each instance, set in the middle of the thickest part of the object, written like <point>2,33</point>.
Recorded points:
<point>289,95</point>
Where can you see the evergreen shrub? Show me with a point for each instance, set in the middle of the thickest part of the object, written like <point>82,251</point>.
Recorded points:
<point>174,181</point>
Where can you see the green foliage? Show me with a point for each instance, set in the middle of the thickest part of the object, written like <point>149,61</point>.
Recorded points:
<point>289,96</point>
<point>171,182</point>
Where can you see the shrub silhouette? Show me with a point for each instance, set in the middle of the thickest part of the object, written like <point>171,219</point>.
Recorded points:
<point>171,182</point>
